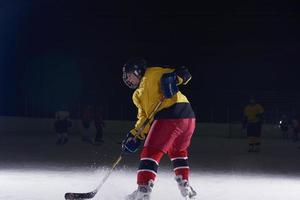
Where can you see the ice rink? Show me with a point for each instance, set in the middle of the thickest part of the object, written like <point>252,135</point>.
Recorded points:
<point>34,168</point>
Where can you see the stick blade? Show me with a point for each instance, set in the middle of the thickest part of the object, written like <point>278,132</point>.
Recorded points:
<point>79,196</point>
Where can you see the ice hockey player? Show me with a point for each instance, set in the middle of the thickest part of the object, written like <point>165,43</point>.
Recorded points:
<point>99,125</point>
<point>169,132</point>
<point>284,125</point>
<point>62,124</point>
<point>87,118</point>
<point>253,119</point>
<point>295,128</point>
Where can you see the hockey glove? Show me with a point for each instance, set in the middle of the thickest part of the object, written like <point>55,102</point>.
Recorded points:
<point>130,144</point>
<point>183,75</point>
<point>168,84</point>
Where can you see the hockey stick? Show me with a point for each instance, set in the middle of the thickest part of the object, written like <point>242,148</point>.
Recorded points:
<point>89,195</point>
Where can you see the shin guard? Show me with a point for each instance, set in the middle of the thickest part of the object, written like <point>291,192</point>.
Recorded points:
<point>148,167</point>
<point>180,163</point>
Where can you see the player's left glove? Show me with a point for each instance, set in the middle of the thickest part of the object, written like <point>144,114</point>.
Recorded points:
<point>183,75</point>
<point>168,84</point>
<point>130,144</point>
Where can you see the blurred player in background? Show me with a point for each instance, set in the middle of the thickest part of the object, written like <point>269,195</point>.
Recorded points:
<point>169,132</point>
<point>253,119</point>
<point>295,128</point>
<point>61,124</point>
<point>87,118</point>
<point>284,124</point>
<point>91,119</point>
<point>99,124</point>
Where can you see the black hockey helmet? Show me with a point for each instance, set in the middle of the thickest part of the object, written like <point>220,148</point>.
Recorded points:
<point>137,66</point>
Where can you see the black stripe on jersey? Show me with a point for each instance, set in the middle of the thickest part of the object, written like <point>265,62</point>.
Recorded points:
<point>176,111</point>
<point>148,165</point>
<point>180,162</point>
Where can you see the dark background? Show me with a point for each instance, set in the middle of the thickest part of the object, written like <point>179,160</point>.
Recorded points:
<point>56,53</point>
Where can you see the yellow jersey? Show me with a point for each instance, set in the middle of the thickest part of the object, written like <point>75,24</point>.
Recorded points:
<point>252,112</point>
<point>148,94</point>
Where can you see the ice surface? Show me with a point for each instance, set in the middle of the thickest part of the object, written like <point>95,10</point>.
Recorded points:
<point>35,169</point>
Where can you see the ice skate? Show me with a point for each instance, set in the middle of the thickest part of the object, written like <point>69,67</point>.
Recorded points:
<point>87,140</point>
<point>185,189</point>
<point>251,148</point>
<point>142,193</point>
<point>98,142</point>
<point>257,149</point>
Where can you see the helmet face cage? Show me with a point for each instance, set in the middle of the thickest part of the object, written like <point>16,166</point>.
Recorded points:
<point>135,66</point>
<point>127,81</point>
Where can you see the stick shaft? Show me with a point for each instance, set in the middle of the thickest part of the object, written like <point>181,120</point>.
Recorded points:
<point>139,132</point>
<point>110,171</point>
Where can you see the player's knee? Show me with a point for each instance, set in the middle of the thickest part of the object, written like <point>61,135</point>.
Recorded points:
<point>177,153</point>
<point>149,152</point>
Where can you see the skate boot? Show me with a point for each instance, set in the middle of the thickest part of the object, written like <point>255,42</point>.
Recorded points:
<point>257,148</point>
<point>65,141</point>
<point>142,193</point>
<point>185,189</point>
<point>251,148</point>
